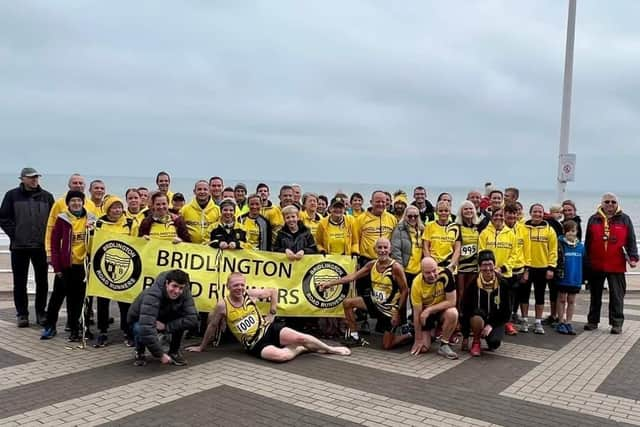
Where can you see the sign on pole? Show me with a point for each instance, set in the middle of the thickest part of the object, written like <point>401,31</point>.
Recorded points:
<point>567,167</point>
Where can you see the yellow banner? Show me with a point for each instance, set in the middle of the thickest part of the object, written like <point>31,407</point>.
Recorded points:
<point>121,266</point>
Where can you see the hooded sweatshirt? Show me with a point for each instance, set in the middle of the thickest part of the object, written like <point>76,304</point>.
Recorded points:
<point>543,245</point>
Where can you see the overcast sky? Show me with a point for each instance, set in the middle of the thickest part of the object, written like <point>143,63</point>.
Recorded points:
<point>432,92</point>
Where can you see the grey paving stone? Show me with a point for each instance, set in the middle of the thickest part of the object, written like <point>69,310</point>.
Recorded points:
<point>11,359</point>
<point>625,378</point>
<point>462,398</point>
<point>43,393</point>
<point>228,406</point>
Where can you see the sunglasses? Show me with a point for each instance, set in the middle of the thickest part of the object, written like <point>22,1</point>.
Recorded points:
<point>412,216</point>
<point>609,202</point>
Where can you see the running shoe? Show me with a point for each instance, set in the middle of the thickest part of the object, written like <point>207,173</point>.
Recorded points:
<point>48,333</point>
<point>140,359</point>
<point>524,327</point>
<point>446,351</point>
<point>509,329</point>
<point>538,329</point>
<point>570,329</point>
<point>350,341</point>
<point>101,341</point>
<point>475,348</point>
<point>177,359</point>
<point>562,329</point>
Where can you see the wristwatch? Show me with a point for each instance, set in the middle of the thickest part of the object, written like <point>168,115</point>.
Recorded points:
<point>272,311</point>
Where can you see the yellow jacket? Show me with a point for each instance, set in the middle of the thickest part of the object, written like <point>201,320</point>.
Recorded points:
<point>327,232</point>
<point>522,255</point>
<point>504,246</point>
<point>200,221</point>
<point>58,207</point>
<point>543,245</point>
<point>370,228</point>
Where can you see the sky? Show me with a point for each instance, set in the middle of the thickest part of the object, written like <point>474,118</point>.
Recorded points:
<point>424,92</point>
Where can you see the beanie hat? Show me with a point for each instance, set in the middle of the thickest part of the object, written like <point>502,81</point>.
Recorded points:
<point>401,198</point>
<point>73,193</point>
<point>486,255</point>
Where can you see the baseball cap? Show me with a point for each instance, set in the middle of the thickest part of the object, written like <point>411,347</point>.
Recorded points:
<point>28,172</point>
<point>178,196</point>
<point>240,185</point>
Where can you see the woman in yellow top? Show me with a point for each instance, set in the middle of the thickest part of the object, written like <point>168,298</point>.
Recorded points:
<point>134,209</point>
<point>467,221</point>
<point>336,233</point>
<point>441,238</point>
<point>309,214</point>
<point>162,224</point>
<point>406,243</point>
<point>542,242</point>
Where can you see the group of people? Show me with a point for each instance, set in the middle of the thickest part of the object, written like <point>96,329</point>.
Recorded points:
<point>426,272</point>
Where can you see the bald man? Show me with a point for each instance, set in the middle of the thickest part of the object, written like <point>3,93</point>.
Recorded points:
<point>385,301</point>
<point>433,299</point>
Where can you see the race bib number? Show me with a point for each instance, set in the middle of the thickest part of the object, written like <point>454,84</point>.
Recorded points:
<point>468,250</point>
<point>379,296</point>
<point>245,324</point>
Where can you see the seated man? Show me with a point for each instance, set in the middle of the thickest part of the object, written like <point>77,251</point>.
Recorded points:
<point>257,333</point>
<point>385,300</point>
<point>166,306</point>
<point>485,307</point>
<point>433,298</point>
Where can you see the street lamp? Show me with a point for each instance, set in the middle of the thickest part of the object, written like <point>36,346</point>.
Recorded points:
<point>567,161</point>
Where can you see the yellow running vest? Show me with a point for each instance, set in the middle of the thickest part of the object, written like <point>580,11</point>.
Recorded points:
<point>384,290</point>
<point>246,323</point>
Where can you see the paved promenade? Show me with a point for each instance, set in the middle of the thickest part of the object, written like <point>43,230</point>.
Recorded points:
<point>587,380</point>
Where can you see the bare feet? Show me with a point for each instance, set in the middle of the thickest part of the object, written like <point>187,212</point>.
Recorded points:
<point>341,351</point>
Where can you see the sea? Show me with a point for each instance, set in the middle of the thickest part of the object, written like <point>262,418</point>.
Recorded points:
<point>586,201</point>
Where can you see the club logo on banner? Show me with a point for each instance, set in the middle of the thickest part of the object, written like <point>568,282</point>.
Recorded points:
<point>318,274</point>
<point>117,265</point>
<point>122,266</point>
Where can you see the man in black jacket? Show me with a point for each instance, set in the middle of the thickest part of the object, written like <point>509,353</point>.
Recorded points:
<point>485,306</point>
<point>167,307</point>
<point>23,217</point>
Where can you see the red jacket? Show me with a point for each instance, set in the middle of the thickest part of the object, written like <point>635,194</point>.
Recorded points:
<point>607,240</point>
<point>61,241</point>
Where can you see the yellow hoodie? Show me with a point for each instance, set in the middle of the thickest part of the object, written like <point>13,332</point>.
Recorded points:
<point>504,246</point>
<point>123,225</point>
<point>543,245</point>
<point>200,221</point>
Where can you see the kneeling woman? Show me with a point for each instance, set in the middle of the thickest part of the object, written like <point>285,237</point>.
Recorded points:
<point>257,333</point>
<point>486,305</point>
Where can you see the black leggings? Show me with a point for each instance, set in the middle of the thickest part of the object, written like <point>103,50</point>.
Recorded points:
<point>537,277</point>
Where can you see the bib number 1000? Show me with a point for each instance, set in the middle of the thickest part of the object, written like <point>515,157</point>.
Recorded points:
<point>245,324</point>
